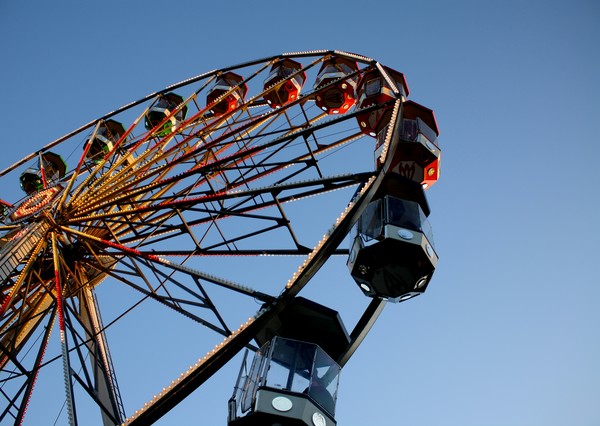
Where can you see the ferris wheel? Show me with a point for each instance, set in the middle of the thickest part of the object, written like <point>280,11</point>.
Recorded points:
<point>203,210</point>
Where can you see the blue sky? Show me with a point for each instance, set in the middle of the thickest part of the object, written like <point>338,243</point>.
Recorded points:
<point>507,333</point>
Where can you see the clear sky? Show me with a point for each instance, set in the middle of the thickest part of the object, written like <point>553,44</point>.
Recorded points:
<point>507,333</point>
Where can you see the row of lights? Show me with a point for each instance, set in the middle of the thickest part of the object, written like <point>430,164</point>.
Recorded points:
<point>194,367</point>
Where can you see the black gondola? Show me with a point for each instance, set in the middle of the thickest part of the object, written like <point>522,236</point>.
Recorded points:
<point>392,255</point>
<point>51,167</point>
<point>293,379</point>
<point>163,108</point>
<point>109,132</point>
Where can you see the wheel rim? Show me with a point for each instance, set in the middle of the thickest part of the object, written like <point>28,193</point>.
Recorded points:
<point>174,216</point>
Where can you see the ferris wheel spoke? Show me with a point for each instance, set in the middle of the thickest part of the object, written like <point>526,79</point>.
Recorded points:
<point>128,167</point>
<point>177,305</point>
<point>75,174</point>
<point>133,194</point>
<point>160,291</point>
<point>163,280</point>
<point>113,182</point>
<point>13,359</point>
<point>107,412</point>
<point>162,262</point>
<point>240,196</point>
<point>279,194</point>
<point>240,155</point>
<point>95,175</point>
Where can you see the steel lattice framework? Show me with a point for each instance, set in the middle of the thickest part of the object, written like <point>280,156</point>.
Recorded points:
<point>171,219</point>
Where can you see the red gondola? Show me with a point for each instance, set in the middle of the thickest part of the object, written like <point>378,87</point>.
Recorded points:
<point>417,155</point>
<point>373,89</point>
<point>287,87</point>
<point>340,96</point>
<point>225,83</point>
